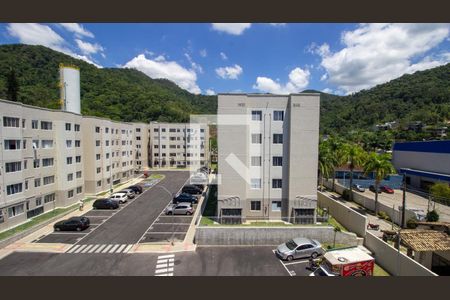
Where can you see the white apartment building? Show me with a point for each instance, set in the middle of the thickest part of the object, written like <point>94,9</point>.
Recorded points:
<point>178,145</point>
<point>268,157</point>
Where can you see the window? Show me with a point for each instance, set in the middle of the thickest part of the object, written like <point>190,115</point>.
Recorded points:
<point>255,205</point>
<point>97,129</point>
<point>255,183</point>
<point>77,143</point>
<point>70,194</point>
<point>38,201</point>
<point>24,144</point>
<point>77,127</point>
<point>97,156</point>
<point>26,185</point>
<point>78,174</point>
<point>99,170</point>
<point>47,144</point>
<point>12,144</point>
<point>276,183</point>
<point>256,115</point>
<point>69,160</point>
<point>13,167</point>
<point>46,125</point>
<point>34,124</point>
<point>256,161</point>
<point>25,164</point>
<point>97,143</point>
<point>36,163</point>
<point>78,159</point>
<point>15,210</point>
<point>256,138</point>
<point>49,198</point>
<point>14,188</point>
<point>70,177</point>
<point>106,130</point>
<point>138,138</point>
<point>24,121</point>
<point>68,126</point>
<point>138,130</point>
<point>37,182</point>
<point>163,130</point>
<point>49,180</point>
<point>47,162</point>
<point>278,115</point>
<point>69,143</point>
<point>107,143</point>
<point>79,190</point>
<point>277,161</point>
<point>278,138</point>
<point>276,205</point>
<point>155,129</point>
<point>11,122</point>
<point>99,183</point>
<point>35,144</point>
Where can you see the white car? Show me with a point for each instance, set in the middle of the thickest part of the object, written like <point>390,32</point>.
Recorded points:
<point>121,197</point>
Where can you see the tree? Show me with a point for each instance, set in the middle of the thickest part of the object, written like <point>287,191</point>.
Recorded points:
<point>12,85</point>
<point>354,156</point>
<point>381,166</point>
<point>326,161</point>
<point>336,230</point>
<point>440,191</point>
<point>432,216</point>
<point>335,145</point>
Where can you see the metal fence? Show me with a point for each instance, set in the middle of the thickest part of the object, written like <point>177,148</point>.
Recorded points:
<point>298,220</point>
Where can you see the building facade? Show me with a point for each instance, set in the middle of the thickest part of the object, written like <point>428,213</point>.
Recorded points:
<point>424,163</point>
<point>268,156</point>
<point>178,145</point>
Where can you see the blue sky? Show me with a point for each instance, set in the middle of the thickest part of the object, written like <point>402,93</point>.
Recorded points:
<point>277,58</point>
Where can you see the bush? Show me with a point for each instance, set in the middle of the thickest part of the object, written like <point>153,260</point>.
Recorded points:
<point>432,216</point>
<point>411,223</point>
<point>346,195</point>
<point>383,215</point>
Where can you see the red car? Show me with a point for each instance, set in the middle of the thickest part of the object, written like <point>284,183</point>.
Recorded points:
<point>386,189</point>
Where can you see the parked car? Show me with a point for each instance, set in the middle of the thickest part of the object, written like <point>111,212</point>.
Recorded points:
<point>386,189</point>
<point>72,224</point>
<point>184,197</point>
<point>359,188</point>
<point>372,189</point>
<point>105,204</point>
<point>200,186</point>
<point>180,209</point>
<point>137,189</point>
<point>130,193</point>
<point>299,248</point>
<point>191,189</point>
<point>120,197</point>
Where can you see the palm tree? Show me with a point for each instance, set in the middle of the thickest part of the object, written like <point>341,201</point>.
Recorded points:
<point>381,166</point>
<point>353,155</point>
<point>335,144</point>
<point>326,161</point>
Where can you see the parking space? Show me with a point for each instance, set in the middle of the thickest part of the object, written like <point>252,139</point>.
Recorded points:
<point>296,267</point>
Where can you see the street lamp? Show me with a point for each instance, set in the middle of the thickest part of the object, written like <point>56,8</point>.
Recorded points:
<point>173,217</point>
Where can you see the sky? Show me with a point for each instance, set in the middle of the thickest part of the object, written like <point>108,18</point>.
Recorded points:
<point>278,58</point>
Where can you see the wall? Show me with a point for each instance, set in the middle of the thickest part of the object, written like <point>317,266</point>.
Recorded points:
<point>269,236</point>
<point>350,219</point>
<point>393,262</point>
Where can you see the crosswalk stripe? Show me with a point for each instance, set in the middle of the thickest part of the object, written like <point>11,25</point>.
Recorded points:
<point>166,256</point>
<point>165,265</point>
<point>86,249</point>
<point>128,248</point>
<point>79,249</point>
<point>93,248</point>
<point>121,248</point>
<point>106,249</point>
<point>161,261</point>
<point>73,248</point>
<point>113,249</point>
<point>100,248</point>
<point>163,270</point>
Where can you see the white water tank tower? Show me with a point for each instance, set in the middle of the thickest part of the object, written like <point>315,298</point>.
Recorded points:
<point>70,88</point>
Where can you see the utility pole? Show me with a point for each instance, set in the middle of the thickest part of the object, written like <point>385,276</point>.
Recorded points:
<point>404,201</point>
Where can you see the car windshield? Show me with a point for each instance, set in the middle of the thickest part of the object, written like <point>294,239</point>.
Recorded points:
<point>291,245</point>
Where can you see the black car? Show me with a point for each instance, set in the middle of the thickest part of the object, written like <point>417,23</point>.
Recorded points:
<point>72,224</point>
<point>136,188</point>
<point>191,189</point>
<point>372,189</point>
<point>105,204</point>
<point>184,197</point>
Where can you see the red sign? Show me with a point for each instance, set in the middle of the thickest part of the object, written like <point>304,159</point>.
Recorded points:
<point>364,268</point>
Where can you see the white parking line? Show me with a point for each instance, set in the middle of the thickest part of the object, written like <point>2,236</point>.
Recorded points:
<point>296,262</point>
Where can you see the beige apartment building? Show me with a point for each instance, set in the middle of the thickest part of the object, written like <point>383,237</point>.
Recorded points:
<point>178,145</point>
<point>268,156</point>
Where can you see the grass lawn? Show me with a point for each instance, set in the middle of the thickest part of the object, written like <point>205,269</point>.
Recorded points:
<point>379,271</point>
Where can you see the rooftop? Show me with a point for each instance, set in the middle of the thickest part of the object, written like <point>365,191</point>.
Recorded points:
<point>426,240</point>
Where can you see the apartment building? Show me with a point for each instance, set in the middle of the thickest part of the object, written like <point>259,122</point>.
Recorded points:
<point>268,156</point>
<point>178,145</point>
<point>41,161</point>
<point>141,145</point>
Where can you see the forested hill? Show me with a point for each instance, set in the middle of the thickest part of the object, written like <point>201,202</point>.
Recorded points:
<point>130,95</point>
<point>120,94</point>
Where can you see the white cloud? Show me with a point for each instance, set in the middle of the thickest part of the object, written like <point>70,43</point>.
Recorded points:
<point>89,48</point>
<point>376,53</point>
<point>77,29</point>
<point>203,53</point>
<point>231,72</point>
<point>161,68</point>
<point>328,91</point>
<point>231,28</point>
<point>277,24</point>
<point>324,77</point>
<point>210,92</point>
<point>298,80</point>
<point>223,56</point>
<point>194,65</point>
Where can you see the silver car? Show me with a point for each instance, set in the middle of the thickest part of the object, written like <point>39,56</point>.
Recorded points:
<point>299,248</point>
<point>180,209</point>
<point>130,193</point>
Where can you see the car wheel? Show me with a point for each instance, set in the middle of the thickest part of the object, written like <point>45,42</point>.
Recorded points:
<point>314,255</point>
<point>78,228</point>
<point>57,229</point>
<point>188,213</point>
<point>169,213</point>
<point>290,258</point>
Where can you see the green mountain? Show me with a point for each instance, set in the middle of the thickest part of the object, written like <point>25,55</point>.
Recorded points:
<point>130,95</point>
<point>120,94</point>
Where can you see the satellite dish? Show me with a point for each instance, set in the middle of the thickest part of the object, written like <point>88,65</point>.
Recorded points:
<point>342,259</point>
